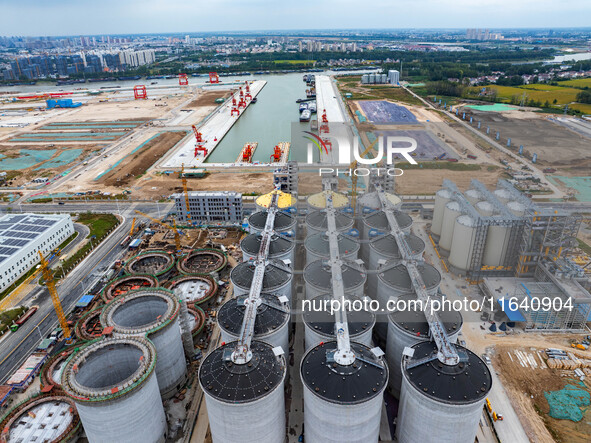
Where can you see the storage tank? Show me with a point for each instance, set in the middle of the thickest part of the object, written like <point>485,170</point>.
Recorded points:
<point>318,278</point>
<point>484,208</point>
<point>451,212</point>
<point>284,223</point>
<point>284,200</point>
<point>245,403</point>
<point>280,248</point>
<point>460,256</point>
<point>203,261</point>
<point>319,322</point>
<point>473,196</point>
<point>316,222</point>
<point>156,263</point>
<point>126,283</point>
<point>502,195</point>
<point>516,208</point>
<point>318,201</point>
<point>383,78</point>
<point>442,198</point>
<point>365,79</point>
<point>407,327</point>
<point>113,384</point>
<point>376,224</point>
<point>385,248</point>
<point>317,247</point>
<point>370,202</point>
<point>372,78</point>
<point>271,324</point>
<point>342,402</point>
<point>495,248</point>
<point>153,313</point>
<point>276,280</point>
<point>442,400</point>
<point>195,289</point>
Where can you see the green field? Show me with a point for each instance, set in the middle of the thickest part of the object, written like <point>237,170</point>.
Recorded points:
<point>583,107</point>
<point>540,93</point>
<point>578,83</point>
<point>294,62</point>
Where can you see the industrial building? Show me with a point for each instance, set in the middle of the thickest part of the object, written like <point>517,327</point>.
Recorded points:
<point>210,207</point>
<point>22,236</point>
<point>393,77</point>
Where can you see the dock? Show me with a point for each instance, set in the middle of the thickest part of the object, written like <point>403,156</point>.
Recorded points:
<point>247,150</point>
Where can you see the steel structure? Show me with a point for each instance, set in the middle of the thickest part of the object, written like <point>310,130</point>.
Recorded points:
<point>185,190</point>
<point>140,92</point>
<point>55,299</point>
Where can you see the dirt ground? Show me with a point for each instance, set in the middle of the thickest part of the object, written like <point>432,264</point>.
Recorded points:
<point>127,172</point>
<point>207,98</point>
<point>428,181</point>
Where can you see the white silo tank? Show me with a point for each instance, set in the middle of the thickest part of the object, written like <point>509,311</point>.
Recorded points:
<point>460,256</point>
<point>316,222</point>
<point>319,324</point>
<point>473,196</point>
<point>383,78</point>
<point>342,403</point>
<point>271,324</point>
<point>153,313</point>
<point>484,208</point>
<point>502,195</point>
<point>245,402</point>
<point>284,223</point>
<point>451,212</point>
<point>372,78</point>
<point>113,383</point>
<point>318,278</point>
<point>407,327</point>
<point>441,401</point>
<point>317,247</point>
<point>370,202</point>
<point>495,248</point>
<point>276,280</point>
<point>318,201</point>
<point>280,247</point>
<point>365,79</point>
<point>516,208</point>
<point>442,198</point>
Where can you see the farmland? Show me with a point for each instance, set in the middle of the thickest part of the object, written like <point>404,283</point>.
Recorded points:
<point>538,92</point>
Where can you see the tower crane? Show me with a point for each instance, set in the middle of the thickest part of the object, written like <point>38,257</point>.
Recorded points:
<point>55,299</point>
<point>177,233</point>
<point>131,231</point>
<point>186,192</point>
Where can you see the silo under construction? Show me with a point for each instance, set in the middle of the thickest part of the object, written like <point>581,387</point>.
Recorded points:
<point>443,399</point>
<point>462,248</point>
<point>407,327</point>
<point>442,198</point>
<point>318,201</point>
<point>277,278</point>
<point>317,247</point>
<point>283,200</point>
<point>113,384</point>
<point>245,402</point>
<point>271,323</point>
<point>153,313</point>
<point>318,278</point>
<point>316,222</point>
<point>342,402</point>
<point>319,323</point>
<point>280,248</point>
<point>283,223</point>
<point>203,261</point>
<point>194,289</point>
<point>451,212</point>
<point>157,263</point>
<point>123,285</point>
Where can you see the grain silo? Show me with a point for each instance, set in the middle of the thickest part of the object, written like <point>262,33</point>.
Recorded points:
<point>316,222</point>
<point>497,243</point>
<point>442,198</point>
<point>407,327</point>
<point>502,195</point>
<point>441,400</point>
<point>370,202</point>
<point>342,402</point>
<point>318,278</point>
<point>376,224</point>
<point>271,323</point>
<point>319,323</point>
<point>126,283</point>
<point>473,196</point>
<point>460,256</point>
<point>113,384</point>
<point>156,263</point>
<point>283,223</point>
<point>451,212</point>
<point>318,201</point>
<point>194,289</point>
<point>317,247</point>
<point>202,261</point>
<point>280,248</point>
<point>516,208</point>
<point>484,208</point>
<point>245,402</point>
<point>284,200</point>
<point>153,313</point>
<point>276,280</point>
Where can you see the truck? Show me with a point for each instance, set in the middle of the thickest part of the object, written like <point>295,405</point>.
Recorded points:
<point>454,160</point>
<point>471,156</point>
<point>548,170</point>
<point>18,323</point>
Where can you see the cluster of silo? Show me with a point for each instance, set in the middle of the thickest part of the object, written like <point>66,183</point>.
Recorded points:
<point>375,224</point>
<point>277,278</point>
<point>155,263</point>
<point>318,278</point>
<point>316,223</point>
<point>439,401</point>
<point>271,323</point>
<point>374,79</point>
<point>152,313</point>
<point>203,261</point>
<point>280,247</point>
<point>317,247</point>
<point>284,223</point>
<point>113,384</point>
<point>245,402</point>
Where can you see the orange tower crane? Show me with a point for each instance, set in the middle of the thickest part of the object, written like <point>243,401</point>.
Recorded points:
<point>57,305</point>
<point>186,192</point>
<point>173,228</point>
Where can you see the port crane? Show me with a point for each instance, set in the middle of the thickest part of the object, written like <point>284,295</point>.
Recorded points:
<point>173,228</point>
<point>186,192</point>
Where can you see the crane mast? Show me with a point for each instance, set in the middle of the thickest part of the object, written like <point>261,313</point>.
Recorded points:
<point>186,192</point>
<point>55,299</point>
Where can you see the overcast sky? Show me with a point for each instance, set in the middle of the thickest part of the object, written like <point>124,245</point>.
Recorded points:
<point>73,17</point>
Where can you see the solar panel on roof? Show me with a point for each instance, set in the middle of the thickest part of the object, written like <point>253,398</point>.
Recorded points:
<point>2,258</point>
<point>7,251</point>
<point>19,234</point>
<point>13,242</point>
<point>30,228</point>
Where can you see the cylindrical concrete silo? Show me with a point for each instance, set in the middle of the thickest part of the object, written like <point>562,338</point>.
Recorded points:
<point>376,224</point>
<point>495,248</point>
<point>203,261</point>
<point>407,327</point>
<point>283,223</point>
<point>473,196</point>
<point>284,200</point>
<point>319,323</point>
<point>460,256</point>
<point>153,313</point>
<point>442,198</point>
<point>113,383</point>
<point>484,208</point>
<point>195,289</point>
<point>451,212</point>
<point>317,247</point>
<point>156,263</point>
<point>370,202</point>
<point>385,248</point>
<point>516,208</point>
<point>441,400</point>
<point>316,222</point>
<point>245,403</point>
<point>277,278</point>
<point>502,195</point>
<point>342,402</point>
<point>271,324</point>
<point>280,248</point>
<point>318,201</point>
<point>318,278</point>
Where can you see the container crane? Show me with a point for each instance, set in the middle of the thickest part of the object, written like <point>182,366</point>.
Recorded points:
<point>57,306</point>
<point>186,192</point>
<point>173,228</point>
